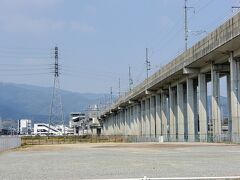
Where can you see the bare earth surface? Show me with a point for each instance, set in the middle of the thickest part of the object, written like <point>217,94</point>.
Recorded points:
<point>106,160</point>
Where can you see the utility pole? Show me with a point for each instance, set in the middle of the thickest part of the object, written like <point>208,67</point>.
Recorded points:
<point>148,65</point>
<point>119,87</point>
<point>56,108</point>
<point>130,78</point>
<point>185,25</point>
<point>186,31</point>
<point>111,95</point>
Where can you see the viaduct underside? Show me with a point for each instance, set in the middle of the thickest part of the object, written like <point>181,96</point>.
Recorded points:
<point>173,102</point>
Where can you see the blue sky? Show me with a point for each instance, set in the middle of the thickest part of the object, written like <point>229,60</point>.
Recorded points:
<point>97,39</point>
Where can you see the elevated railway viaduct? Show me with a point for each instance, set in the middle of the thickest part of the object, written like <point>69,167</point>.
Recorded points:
<point>173,102</point>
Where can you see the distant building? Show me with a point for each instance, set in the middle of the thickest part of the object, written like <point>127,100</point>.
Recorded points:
<point>77,121</point>
<point>43,129</point>
<point>25,126</point>
<point>93,121</point>
<point>1,126</point>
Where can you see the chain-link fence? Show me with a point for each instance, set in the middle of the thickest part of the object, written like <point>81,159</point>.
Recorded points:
<point>44,140</point>
<point>9,142</point>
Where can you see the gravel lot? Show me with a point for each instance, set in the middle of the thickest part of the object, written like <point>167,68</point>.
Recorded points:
<point>99,161</point>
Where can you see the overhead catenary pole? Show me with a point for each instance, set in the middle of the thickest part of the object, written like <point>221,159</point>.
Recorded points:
<point>119,87</point>
<point>185,25</point>
<point>148,65</point>
<point>111,95</point>
<point>130,78</point>
<point>186,30</point>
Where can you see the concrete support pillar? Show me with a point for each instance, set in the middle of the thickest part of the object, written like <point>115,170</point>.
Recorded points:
<point>147,116</point>
<point>158,116</point>
<point>123,122</point>
<point>135,120</point>
<point>126,121</point>
<point>164,114</point>
<point>114,124</point>
<point>235,98</point>
<point>172,122</point>
<point>103,127</point>
<point>106,126</point>
<point>153,116</point>
<point>190,110</point>
<point>203,121</point>
<point>118,119</point>
<point>138,114</point>
<point>229,105</point>
<point>216,109</point>
<point>131,121</point>
<point>143,118</point>
<point>180,111</point>
<point>196,119</point>
<point>120,122</point>
<point>110,125</point>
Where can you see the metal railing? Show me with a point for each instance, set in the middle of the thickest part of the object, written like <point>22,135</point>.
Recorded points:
<point>9,142</point>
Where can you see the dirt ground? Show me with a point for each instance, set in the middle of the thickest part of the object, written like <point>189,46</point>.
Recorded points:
<point>118,145</point>
<point>120,160</point>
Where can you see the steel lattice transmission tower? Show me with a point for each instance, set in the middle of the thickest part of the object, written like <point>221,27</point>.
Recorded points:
<point>56,116</point>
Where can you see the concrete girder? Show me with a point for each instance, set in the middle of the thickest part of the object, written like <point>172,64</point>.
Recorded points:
<point>187,70</point>
<point>149,92</point>
<point>221,68</point>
